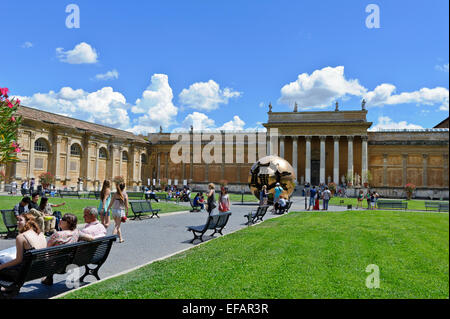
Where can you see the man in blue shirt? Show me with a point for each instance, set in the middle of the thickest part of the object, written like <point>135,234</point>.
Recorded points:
<point>312,195</point>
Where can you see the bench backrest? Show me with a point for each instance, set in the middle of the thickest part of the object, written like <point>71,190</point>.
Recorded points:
<point>43,262</point>
<point>136,206</point>
<point>9,219</point>
<point>223,219</point>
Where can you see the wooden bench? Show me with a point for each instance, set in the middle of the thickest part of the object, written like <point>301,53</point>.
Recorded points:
<point>194,208</point>
<point>69,194</point>
<point>10,221</point>
<point>40,263</point>
<point>162,196</point>
<point>216,222</point>
<point>91,194</point>
<point>142,207</point>
<point>254,217</point>
<point>392,204</point>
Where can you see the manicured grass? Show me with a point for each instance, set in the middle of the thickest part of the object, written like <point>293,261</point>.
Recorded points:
<point>302,255</point>
<point>233,197</point>
<point>76,206</point>
<point>413,204</point>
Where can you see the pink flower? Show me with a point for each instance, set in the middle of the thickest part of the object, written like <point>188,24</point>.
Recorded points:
<point>10,105</point>
<point>17,150</point>
<point>13,119</point>
<point>4,91</point>
<point>17,102</point>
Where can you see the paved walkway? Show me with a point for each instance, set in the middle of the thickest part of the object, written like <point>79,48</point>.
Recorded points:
<point>147,240</point>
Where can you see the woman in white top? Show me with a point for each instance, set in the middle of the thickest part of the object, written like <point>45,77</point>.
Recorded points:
<point>119,204</point>
<point>30,237</point>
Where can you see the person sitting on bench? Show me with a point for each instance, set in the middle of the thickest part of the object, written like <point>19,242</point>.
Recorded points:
<point>281,204</point>
<point>93,228</point>
<point>153,195</point>
<point>30,237</point>
<point>68,235</point>
<point>23,207</point>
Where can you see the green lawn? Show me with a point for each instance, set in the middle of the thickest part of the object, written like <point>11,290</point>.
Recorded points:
<point>302,255</point>
<point>233,197</point>
<point>76,206</point>
<point>413,204</point>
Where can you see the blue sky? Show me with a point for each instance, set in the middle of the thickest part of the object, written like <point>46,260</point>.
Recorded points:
<point>137,65</point>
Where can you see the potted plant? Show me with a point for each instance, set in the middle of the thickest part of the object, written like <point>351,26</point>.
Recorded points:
<point>332,188</point>
<point>409,189</point>
<point>349,179</point>
<point>46,179</point>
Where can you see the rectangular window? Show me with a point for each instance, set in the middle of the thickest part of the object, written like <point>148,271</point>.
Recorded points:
<point>73,166</point>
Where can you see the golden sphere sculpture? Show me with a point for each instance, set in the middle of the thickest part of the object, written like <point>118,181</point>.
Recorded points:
<point>269,171</point>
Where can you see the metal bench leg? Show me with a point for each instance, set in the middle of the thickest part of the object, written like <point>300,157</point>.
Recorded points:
<point>90,271</point>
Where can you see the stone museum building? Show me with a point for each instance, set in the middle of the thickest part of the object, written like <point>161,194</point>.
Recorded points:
<point>322,147</point>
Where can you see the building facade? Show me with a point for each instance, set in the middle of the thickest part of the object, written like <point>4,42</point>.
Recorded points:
<point>322,147</point>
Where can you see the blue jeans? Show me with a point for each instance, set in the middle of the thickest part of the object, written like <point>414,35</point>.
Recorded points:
<point>325,204</point>
<point>311,201</point>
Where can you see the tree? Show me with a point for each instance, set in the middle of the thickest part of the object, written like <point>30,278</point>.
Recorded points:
<point>9,124</point>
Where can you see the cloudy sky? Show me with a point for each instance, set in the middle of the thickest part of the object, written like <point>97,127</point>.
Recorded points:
<point>138,65</point>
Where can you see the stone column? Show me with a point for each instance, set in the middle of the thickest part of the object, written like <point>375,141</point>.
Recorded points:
<point>158,162</point>
<point>364,163</point>
<point>445,156</point>
<point>336,160</point>
<point>424,172</point>
<point>295,156</point>
<point>97,154</point>
<point>385,175</point>
<point>167,166</point>
<point>322,159</point>
<point>120,161</point>
<point>222,165</point>
<point>140,167</point>
<point>282,146</point>
<point>350,158</point>
<point>69,142</point>
<point>404,167</point>
<point>31,158</point>
<point>308,160</point>
<point>57,150</point>
<point>268,150</point>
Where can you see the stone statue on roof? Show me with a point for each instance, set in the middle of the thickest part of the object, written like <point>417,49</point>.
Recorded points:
<point>363,104</point>
<point>160,129</point>
<point>337,106</point>
<point>296,107</point>
<point>270,107</point>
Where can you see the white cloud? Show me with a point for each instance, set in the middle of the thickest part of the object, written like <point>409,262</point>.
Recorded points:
<point>323,87</point>
<point>156,105</point>
<point>82,53</point>
<point>386,123</point>
<point>27,45</point>
<point>104,106</point>
<point>234,125</point>
<point>320,89</point>
<point>384,94</point>
<point>110,75</point>
<point>443,68</point>
<point>206,96</point>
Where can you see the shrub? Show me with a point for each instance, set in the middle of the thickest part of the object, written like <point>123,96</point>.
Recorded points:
<point>9,124</point>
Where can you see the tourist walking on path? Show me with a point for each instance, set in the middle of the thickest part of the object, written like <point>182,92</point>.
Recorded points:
<point>119,204</point>
<point>105,200</point>
<point>224,200</point>
<point>316,201</point>
<point>211,198</point>
<point>360,199</point>
<point>263,196</point>
<point>326,195</point>
<point>312,196</point>
<point>368,199</point>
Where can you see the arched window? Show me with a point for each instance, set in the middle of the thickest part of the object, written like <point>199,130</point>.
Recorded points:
<point>102,153</point>
<point>41,145</point>
<point>124,156</point>
<point>143,159</point>
<point>75,150</point>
